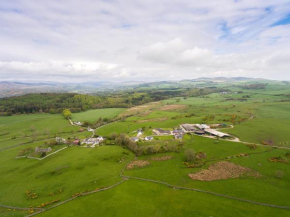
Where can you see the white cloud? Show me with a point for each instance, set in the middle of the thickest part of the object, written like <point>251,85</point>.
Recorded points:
<point>148,40</point>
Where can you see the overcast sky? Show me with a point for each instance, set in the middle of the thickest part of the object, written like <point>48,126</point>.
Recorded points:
<point>143,40</point>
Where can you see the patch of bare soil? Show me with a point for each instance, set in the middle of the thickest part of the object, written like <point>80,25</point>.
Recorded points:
<point>223,170</point>
<point>137,108</point>
<point>138,164</point>
<point>152,120</point>
<point>163,158</point>
<point>172,107</point>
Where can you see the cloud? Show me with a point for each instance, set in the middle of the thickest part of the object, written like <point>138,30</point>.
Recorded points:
<point>181,56</point>
<point>68,70</point>
<point>143,40</point>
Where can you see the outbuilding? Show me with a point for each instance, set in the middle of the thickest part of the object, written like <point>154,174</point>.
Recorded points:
<point>149,138</point>
<point>216,133</point>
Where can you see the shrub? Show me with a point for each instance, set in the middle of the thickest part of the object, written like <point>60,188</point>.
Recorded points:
<point>25,151</point>
<point>252,146</point>
<point>189,155</point>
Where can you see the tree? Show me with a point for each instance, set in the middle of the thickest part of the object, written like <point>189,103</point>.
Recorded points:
<point>67,113</point>
<point>118,141</point>
<point>113,136</point>
<point>189,155</point>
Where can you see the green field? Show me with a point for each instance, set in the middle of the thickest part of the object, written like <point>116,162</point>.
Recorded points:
<point>93,115</point>
<point>263,116</point>
<point>137,198</point>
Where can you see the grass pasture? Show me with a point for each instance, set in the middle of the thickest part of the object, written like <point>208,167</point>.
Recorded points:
<point>90,169</point>
<point>267,189</point>
<point>271,122</point>
<point>256,115</point>
<point>29,128</point>
<point>95,114</point>
<point>140,198</point>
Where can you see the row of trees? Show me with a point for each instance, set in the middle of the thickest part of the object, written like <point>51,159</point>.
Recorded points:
<point>254,86</point>
<point>47,102</point>
<point>57,102</point>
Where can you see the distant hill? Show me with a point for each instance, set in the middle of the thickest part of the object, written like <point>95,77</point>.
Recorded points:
<point>8,88</point>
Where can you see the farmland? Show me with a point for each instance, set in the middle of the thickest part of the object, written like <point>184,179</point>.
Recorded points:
<point>93,115</point>
<point>98,182</point>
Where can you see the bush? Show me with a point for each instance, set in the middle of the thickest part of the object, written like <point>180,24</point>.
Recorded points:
<point>189,155</point>
<point>25,151</point>
<point>43,154</point>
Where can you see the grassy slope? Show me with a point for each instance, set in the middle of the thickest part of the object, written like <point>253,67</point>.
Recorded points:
<point>89,169</point>
<point>43,125</point>
<point>268,189</point>
<point>271,122</point>
<point>93,115</point>
<point>4,212</point>
<point>137,198</point>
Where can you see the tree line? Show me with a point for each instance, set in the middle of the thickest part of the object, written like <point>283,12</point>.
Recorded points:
<point>56,102</point>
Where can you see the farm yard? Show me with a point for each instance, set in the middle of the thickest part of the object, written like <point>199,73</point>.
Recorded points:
<point>191,175</point>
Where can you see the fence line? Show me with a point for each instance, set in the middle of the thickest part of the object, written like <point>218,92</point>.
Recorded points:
<point>18,208</point>
<point>37,158</point>
<point>80,195</point>
<point>209,192</point>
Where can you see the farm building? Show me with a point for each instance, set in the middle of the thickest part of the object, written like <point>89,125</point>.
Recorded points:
<point>93,141</point>
<point>90,129</point>
<point>149,138</point>
<point>216,133</point>
<point>135,139</point>
<point>60,140</point>
<point>199,132</point>
<point>76,142</point>
<point>177,131</point>
<point>78,123</point>
<point>100,138</point>
<point>178,136</point>
<point>202,126</point>
<point>159,131</point>
<point>188,127</point>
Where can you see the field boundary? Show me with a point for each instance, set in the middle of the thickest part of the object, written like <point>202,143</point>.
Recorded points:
<point>125,178</point>
<point>18,208</point>
<point>80,195</point>
<point>208,192</point>
<point>37,158</point>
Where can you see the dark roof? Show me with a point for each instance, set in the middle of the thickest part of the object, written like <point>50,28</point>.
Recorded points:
<point>162,131</point>
<point>199,132</point>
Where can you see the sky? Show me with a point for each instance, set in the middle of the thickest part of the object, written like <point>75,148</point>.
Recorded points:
<point>143,40</point>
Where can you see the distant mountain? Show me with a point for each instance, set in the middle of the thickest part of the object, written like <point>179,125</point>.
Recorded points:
<point>8,88</point>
